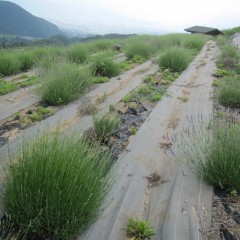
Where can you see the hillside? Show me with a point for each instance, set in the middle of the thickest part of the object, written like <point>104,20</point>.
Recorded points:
<point>14,20</point>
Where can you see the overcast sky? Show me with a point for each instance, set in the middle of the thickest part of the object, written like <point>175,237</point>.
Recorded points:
<point>172,15</point>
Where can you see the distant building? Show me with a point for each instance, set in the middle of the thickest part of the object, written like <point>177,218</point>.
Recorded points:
<point>203,30</point>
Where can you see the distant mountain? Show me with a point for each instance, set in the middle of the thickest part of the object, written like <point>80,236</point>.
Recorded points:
<point>14,20</point>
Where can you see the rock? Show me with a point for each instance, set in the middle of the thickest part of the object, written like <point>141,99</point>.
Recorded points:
<point>116,47</point>
<point>236,40</point>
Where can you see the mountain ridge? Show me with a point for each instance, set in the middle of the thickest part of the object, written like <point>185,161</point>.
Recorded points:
<point>14,20</point>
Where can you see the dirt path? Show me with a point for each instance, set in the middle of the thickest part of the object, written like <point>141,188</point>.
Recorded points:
<point>179,206</point>
<point>16,101</point>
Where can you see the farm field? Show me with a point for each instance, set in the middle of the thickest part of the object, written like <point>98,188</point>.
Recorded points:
<point>121,129</point>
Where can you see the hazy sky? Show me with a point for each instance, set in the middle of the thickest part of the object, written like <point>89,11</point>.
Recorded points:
<point>173,15</point>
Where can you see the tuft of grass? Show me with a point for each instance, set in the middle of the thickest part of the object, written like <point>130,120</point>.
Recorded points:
<point>9,63</point>
<point>195,42</point>
<point>56,186</point>
<point>26,59</point>
<point>216,83</point>
<point>229,56</point>
<point>100,79</point>
<point>216,154</point>
<point>229,94</point>
<point>175,59</point>
<point>156,97</point>
<point>30,81</point>
<point>185,98</point>
<point>138,46</point>
<point>133,130</point>
<point>6,87</point>
<point>103,65</point>
<point>138,59</point>
<point>220,73</point>
<point>139,229</point>
<point>63,83</point>
<point>127,99</point>
<point>146,89</point>
<point>104,126</point>
<point>24,75</point>
<point>78,53</point>
<point>111,108</point>
<point>7,231</point>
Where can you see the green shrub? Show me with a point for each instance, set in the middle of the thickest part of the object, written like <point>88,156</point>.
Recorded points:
<point>231,31</point>
<point>9,64</point>
<point>220,73</point>
<point>103,65</point>
<point>78,53</point>
<point>26,59</point>
<point>216,155</point>
<point>195,42</point>
<point>56,186</point>
<point>229,94</point>
<point>229,56</point>
<point>100,45</point>
<point>138,47</point>
<point>221,40</point>
<point>63,83</point>
<point>139,229</point>
<point>104,126</point>
<point>175,59</point>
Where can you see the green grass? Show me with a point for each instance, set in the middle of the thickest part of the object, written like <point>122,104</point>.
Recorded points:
<point>138,46</point>
<point>156,97</point>
<point>100,79</point>
<point>195,42</point>
<point>133,130</point>
<point>63,83</point>
<point>216,155</point>
<point>220,73</point>
<point>9,64</point>
<point>105,126</point>
<point>139,229</point>
<point>175,59</point>
<point>30,81</point>
<point>24,75</point>
<point>56,186</point>
<point>78,53</point>
<point>221,40</point>
<point>100,45</point>
<point>6,87</point>
<point>26,58</point>
<point>146,89</point>
<point>231,31</point>
<point>127,99</point>
<point>103,65</point>
<point>229,56</point>
<point>229,94</point>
